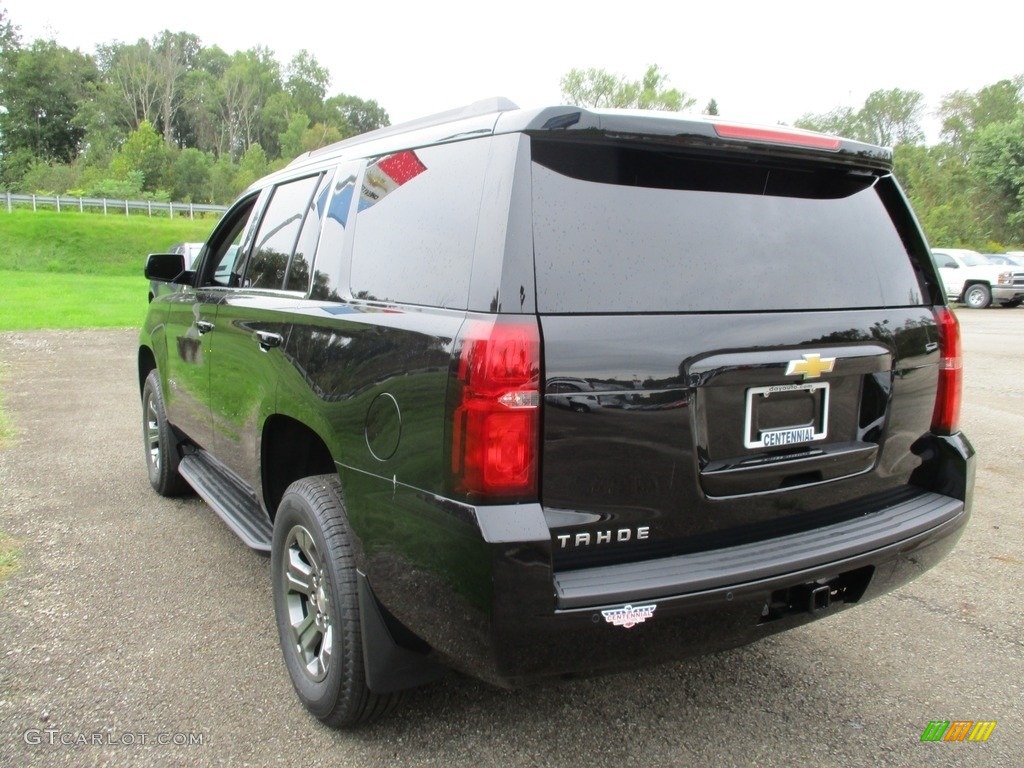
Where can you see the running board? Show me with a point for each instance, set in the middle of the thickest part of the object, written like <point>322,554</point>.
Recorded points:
<point>230,498</point>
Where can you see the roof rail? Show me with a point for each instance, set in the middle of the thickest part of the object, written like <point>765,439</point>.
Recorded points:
<point>489,106</point>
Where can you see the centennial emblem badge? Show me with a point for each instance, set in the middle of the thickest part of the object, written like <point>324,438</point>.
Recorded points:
<point>628,616</point>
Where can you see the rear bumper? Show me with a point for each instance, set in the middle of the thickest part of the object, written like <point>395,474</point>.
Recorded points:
<point>862,541</point>
<point>530,622</point>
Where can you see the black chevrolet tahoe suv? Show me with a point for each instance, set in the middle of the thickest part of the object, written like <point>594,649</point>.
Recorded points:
<point>555,392</point>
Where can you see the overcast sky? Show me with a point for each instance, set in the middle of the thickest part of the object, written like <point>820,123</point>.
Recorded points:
<point>766,62</point>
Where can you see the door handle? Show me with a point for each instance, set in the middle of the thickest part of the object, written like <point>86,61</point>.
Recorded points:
<point>266,339</point>
<point>204,326</point>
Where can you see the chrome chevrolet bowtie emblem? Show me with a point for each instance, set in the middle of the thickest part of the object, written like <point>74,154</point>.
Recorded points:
<point>812,366</point>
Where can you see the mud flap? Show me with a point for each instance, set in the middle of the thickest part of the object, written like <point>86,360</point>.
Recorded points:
<point>391,667</point>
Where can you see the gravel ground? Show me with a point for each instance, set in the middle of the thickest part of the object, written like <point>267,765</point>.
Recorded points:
<point>139,630</point>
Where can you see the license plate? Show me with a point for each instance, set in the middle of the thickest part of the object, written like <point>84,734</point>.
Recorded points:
<point>797,415</point>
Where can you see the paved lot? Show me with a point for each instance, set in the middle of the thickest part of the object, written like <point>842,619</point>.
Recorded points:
<point>137,619</point>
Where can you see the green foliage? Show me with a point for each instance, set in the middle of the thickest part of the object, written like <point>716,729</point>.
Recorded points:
<point>888,118</point>
<point>998,164</point>
<point>352,115</point>
<point>222,179</point>
<point>51,178</point>
<point>711,108</point>
<point>307,82</point>
<point>169,108</point>
<point>40,90</point>
<point>190,177</point>
<point>253,166</point>
<point>841,121</point>
<point>319,135</point>
<point>291,139</point>
<point>600,89</point>
<point>144,152</point>
<point>127,187</point>
<point>10,38</point>
<point>892,117</point>
<point>964,113</point>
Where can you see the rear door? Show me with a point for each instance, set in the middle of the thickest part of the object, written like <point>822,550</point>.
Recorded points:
<point>252,325</point>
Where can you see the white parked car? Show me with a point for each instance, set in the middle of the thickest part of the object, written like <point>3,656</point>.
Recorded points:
<point>972,279</point>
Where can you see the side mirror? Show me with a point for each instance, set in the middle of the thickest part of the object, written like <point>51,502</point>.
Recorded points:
<point>166,267</point>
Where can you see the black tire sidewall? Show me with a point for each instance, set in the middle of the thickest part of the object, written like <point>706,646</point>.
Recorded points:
<point>166,481</point>
<point>326,697</point>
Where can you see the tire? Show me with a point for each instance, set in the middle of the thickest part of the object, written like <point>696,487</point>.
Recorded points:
<point>977,296</point>
<point>159,442</point>
<point>317,606</point>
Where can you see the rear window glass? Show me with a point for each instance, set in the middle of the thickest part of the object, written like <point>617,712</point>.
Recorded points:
<point>625,230</point>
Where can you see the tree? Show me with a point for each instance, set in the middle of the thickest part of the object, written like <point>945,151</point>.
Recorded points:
<point>251,79</point>
<point>145,152</point>
<point>600,89</point>
<point>41,89</point>
<point>201,125</point>
<point>352,115</point>
<point>942,193</point>
<point>251,167</point>
<point>190,176</point>
<point>307,82</point>
<point>10,39</point>
<point>998,164</point>
<point>132,82</point>
<point>319,135</point>
<point>291,139</point>
<point>887,118</point>
<point>711,108</point>
<point>964,113</point>
<point>174,56</point>
<point>841,121</point>
<point>892,117</point>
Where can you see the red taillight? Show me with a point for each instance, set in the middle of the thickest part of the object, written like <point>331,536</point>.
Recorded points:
<point>777,136</point>
<point>496,432</point>
<point>946,417</point>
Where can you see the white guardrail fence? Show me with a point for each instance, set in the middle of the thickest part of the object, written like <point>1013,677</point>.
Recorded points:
<point>122,207</point>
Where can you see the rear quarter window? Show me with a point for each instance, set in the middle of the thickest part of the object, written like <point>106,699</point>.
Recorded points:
<point>416,225</point>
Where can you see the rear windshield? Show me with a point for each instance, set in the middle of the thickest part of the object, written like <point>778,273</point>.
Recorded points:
<point>620,229</point>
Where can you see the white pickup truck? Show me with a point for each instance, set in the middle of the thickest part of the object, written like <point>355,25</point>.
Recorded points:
<point>972,279</point>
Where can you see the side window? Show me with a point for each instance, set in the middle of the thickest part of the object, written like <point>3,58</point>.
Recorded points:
<point>279,230</point>
<point>334,204</point>
<point>416,225</point>
<point>297,278</point>
<point>945,262</point>
<point>223,264</point>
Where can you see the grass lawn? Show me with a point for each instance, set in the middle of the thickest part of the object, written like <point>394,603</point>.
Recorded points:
<point>81,270</point>
<point>89,243</point>
<point>30,300</point>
